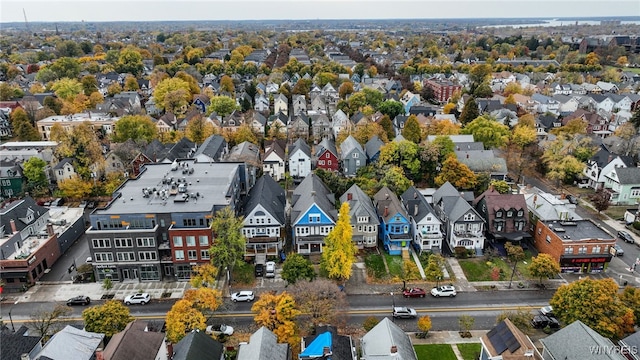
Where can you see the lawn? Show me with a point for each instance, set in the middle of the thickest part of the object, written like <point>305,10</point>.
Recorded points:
<point>616,212</point>
<point>375,266</point>
<point>469,351</point>
<point>394,262</point>
<point>435,351</point>
<point>480,269</point>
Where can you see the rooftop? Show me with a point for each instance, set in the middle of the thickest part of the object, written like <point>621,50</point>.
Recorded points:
<point>578,230</point>
<point>79,118</point>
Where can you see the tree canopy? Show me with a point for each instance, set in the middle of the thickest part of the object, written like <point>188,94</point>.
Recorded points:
<point>108,318</point>
<point>229,243</point>
<point>135,127</point>
<point>488,131</point>
<point>296,267</point>
<point>544,266</point>
<point>339,251</point>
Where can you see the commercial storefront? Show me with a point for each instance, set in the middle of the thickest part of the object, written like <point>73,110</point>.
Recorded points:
<point>584,263</point>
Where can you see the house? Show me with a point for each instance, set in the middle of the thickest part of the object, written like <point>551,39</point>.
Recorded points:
<point>196,345</point>
<point>281,104</point>
<point>506,216</point>
<point>329,92</point>
<point>11,178</point>
<point>506,341</point>
<point>443,90</point>
<point>603,162</point>
<point>320,127</point>
<point>113,164</point>
<point>263,345</point>
<point>629,344</point>
<point>408,100</point>
<point>264,219</point>
<point>273,159</point>
<point>608,87</point>
<point>299,159</point>
<point>213,149</point>
<point>425,225</point>
<point>624,185</point>
<point>463,226</point>
<point>339,122</point>
<point>257,122</point>
<point>372,148</point>
<point>313,215</point>
<point>319,104</point>
<point>327,156</point>
<point>71,343</point>
<point>577,341</point>
<point>327,344</point>
<point>352,155</point>
<point>64,170</point>
<point>579,246</point>
<point>299,104</point>
<point>545,104</point>
<point>138,342</point>
<point>261,103</point>
<point>363,217</point>
<point>387,340</point>
<point>278,123</point>
<point>14,344</point>
<point>484,162</point>
<point>548,207</point>
<point>395,225</point>
<point>299,126</point>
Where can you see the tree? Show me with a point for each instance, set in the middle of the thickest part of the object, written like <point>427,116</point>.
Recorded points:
<point>296,267</point>
<point>203,275</point>
<point>345,89</point>
<point>424,325</point>
<point>470,111</point>
<point>391,108</point>
<point>387,125</point>
<point>131,84</point>
<point>457,173</point>
<point>515,253</point>
<point>226,85</point>
<point>521,318</point>
<point>601,200</point>
<point>46,323</point>
<point>65,67</point>
<point>483,91</point>
<point>204,299</point>
<point>75,188</point>
<point>596,303</point>
<point>182,318</point>
<point>172,94</point>
<point>130,61</point>
<point>81,143</point>
<point>488,131</point>
<point>500,186</point>
<point>108,318</point>
<point>479,74</point>
<point>635,119</point>
<point>244,133</point>
<point>198,129</point>
<point>277,312</point>
<point>229,243</point>
<point>135,127</point>
<point>449,108</point>
<point>22,127</point>
<point>222,105</point>
<point>33,170</point>
<point>559,160</point>
<point>370,322</point>
<point>412,130</point>
<point>466,323</point>
<point>322,301</point>
<point>544,266</point>
<point>630,297</point>
<point>89,84</point>
<point>394,178</point>
<point>433,271</point>
<point>339,252</point>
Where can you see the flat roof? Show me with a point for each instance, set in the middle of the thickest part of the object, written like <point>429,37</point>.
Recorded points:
<point>578,230</point>
<point>207,185</point>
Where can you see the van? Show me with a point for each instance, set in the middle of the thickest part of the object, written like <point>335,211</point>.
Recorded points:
<point>270,269</point>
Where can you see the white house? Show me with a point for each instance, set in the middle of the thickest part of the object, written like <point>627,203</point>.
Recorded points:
<point>300,159</point>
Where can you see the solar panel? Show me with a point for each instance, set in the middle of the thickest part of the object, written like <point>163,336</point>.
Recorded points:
<point>502,339</point>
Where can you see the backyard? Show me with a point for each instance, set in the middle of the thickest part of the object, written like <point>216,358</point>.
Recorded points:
<point>469,351</point>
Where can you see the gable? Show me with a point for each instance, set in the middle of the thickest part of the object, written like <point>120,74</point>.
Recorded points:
<point>313,216</point>
<point>259,212</point>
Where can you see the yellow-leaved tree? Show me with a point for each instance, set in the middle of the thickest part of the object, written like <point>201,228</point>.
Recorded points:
<point>278,312</point>
<point>183,317</point>
<point>339,252</point>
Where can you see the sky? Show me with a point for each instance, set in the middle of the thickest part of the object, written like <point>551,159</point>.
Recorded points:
<point>150,10</point>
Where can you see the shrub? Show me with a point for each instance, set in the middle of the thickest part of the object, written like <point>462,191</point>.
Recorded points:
<point>461,252</point>
<point>370,322</point>
<point>636,225</point>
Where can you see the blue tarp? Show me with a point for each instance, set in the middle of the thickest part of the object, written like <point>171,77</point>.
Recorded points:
<point>316,348</point>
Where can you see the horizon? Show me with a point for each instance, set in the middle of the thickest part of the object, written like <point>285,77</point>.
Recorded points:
<point>37,11</point>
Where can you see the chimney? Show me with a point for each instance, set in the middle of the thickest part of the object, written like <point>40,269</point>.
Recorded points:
<point>24,356</point>
<point>467,155</point>
<point>50,231</point>
<point>169,350</point>
<point>99,354</point>
<point>349,196</point>
<point>386,211</point>
<point>394,349</point>
<point>415,209</point>
<point>13,226</point>
<point>326,351</point>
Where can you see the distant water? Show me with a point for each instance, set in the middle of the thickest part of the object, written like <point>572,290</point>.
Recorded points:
<point>550,23</point>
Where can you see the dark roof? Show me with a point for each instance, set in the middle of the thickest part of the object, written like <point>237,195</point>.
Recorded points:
<point>195,346</point>
<point>263,345</point>
<point>629,175</point>
<point>387,199</point>
<point>270,195</point>
<point>312,191</point>
<point>416,204</point>
<point>301,145</point>
<point>63,162</point>
<point>583,340</point>
<point>340,345</point>
<point>16,344</point>
<point>373,146</point>
<point>213,147</point>
<point>275,146</point>
<point>134,343</point>
<point>181,150</point>
<point>17,211</point>
<point>348,146</point>
<point>156,151</point>
<point>328,145</point>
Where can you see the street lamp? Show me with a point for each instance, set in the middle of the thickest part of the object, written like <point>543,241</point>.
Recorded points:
<point>10,318</point>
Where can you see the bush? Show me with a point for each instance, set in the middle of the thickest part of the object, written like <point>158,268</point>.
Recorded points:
<point>370,322</point>
<point>636,225</point>
<point>461,252</point>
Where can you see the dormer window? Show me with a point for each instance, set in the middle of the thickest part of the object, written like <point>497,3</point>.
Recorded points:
<point>509,213</point>
<point>499,213</point>
<point>520,213</point>
<point>469,217</point>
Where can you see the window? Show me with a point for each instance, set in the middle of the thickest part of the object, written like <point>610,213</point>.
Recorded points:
<point>101,243</point>
<point>191,240</point>
<point>179,254</point>
<point>328,162</point>
<point>103,257</point>
<point>469,217</point>
<point>189,222</point>
<point>498,214</point>
<point>320,162</point>
<point>499,226</point>
<point>147,255</point>
<point>355,155</point>
<point>162,222</point>
<point>520,213</point>
<point>204,254</point>
<point>146,242</point>
<point>122,243</point>
<point>126,256</point>
<point>548,239</point>
<point>582,250</point>
<point>568,250</point>
<point>204,240</point>
<point>193,255</point>
<point>177,241</point>
<point>520,225</point>
<point>363,219</point>
<point>327,156</point>
<point>509,213</point>
<point>314,218</point>
<point>596,249</point>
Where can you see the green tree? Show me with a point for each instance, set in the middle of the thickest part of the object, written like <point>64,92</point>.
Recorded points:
<point>483,91</point>
<point>470,111</point>
<point>108,318</point>
<point>89,84</point>
<point>457,173</point>
<point>198,129</point>
<point>226,85</point>
<point>479,74</point>
<point>65,67</point>
<point>370,322</point>
<point>67,89</point>
<point>596,303</point>
<point>339,252</point>
<point>130,61</point>
<point>466,323</point>
<point>559,160</point>
<point>372,97</point>
<point>33,170</point>
<point>229,244</point>
<point>402,153</point>
<point>356,102</point>
<point>135,127</point>
<point>22,127</point>
<point>412,130</point>
<point>544,266</point>
<point>500,186</point>
<point>394,178</point>
<point>391,108</point>
<point>387,125</point>
<point>171,94</point>
<point>488,131</point>
<point>296,267</point>
<point>222,105</point>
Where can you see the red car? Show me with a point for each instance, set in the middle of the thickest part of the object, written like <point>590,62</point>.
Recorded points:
<point>413,292</point>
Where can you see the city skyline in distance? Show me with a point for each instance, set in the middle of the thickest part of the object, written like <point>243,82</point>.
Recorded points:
<point>238,10</point>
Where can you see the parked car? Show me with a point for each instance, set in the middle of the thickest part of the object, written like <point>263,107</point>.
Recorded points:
<point>270,269</point>
<point>541,321</point>
<point>413,292</point>
<point>404,312</point>
<point>546,311</point>
<point>79,300</point>
<point>89,260</point>
<point>139,298</point>
<point>619,251</point>
<point>572,199</point>
<point>245,295</point>
<point>625,236</point>
<point>259,270</point>
<point>218,329</point>
<point>444,290</point>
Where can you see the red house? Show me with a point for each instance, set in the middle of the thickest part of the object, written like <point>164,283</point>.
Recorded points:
<point>327,156</point>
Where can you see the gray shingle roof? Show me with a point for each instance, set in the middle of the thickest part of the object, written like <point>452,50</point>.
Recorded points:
<point>377,343</point>
<point>16,344</point>
<point>197,345</point>
<point>576,341</point>
<point>17,211</point>
<point>72,344</point>
<point>348,145</point>
<point>301,145</point>
<point>413,200</point>
<point>213,147</point>
<point>263,345</point>
<point>373,146</point>
<point>359,205</point>
<point>267,193</point>
<point>328,145</point>
<point>386,199</point>
<point>312,190</point>
<point>134,343</point>
<point>629,175</point>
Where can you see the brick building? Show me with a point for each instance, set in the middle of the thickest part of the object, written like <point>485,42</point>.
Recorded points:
<point>442,90</point>
<point>578,246</point>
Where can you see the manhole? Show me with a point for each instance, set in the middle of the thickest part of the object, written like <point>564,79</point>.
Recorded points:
<point>107,297</point>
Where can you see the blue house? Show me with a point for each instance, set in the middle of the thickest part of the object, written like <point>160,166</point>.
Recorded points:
<point>313,215</point>
<point>395,226</point>
<point>372,148</point>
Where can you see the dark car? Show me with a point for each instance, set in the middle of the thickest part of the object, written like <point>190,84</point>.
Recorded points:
<point>413,292</point>
<point>79,300</point>
<point>259,270</point>
<point>625,236</point>
<point>572,199</point>
<point>541,321</point>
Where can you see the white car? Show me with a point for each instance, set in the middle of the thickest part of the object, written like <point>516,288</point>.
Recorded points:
<point>242,296</point>
<point>547,310</point>
<point>444,290</point>
<point>140,298</point>
<point>270,269</point>
<point>219,329</point>
<point>404,312</point>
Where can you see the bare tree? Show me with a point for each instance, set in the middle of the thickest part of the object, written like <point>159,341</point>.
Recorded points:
<point>322,301</point>
<point>47,323</point>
